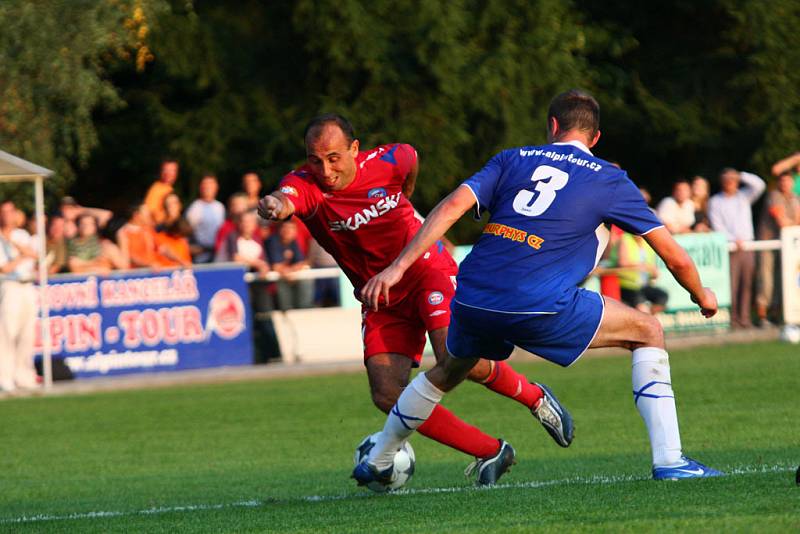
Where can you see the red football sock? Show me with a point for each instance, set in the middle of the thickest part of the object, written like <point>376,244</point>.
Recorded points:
<point>507,382</point>
<point>443,426</point>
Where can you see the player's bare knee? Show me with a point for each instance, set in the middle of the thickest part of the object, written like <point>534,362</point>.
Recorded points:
<point>652,333</point>
<point>480,373</point>
<point>384,399</point>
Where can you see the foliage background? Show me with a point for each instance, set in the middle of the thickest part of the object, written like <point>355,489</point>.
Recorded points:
<point>101,90</point>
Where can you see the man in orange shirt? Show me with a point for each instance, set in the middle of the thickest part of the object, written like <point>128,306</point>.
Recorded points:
<point>137,238</point>
<point>154,200</point>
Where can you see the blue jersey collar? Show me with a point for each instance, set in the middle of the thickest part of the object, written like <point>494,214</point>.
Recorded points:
<point>577,144</point>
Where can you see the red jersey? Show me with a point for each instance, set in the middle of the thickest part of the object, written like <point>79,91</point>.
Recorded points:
<point>366,225</point>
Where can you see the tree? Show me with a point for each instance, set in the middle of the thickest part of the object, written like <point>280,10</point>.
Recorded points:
<point>690,87</point>
<point>459,80</point>
<point>53,56</point>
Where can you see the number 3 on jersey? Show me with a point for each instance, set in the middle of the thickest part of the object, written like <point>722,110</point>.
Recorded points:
<point>547,191</point>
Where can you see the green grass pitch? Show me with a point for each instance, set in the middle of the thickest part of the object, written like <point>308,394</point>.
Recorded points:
<point>276,456</point>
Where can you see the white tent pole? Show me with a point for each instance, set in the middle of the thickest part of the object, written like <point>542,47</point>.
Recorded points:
<point>44,307</point>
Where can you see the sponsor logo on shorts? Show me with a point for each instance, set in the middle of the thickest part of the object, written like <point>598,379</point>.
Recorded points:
<point>289,190</point>
<point>437,313</point>
<point>435,298</point>
<point>377,192</point>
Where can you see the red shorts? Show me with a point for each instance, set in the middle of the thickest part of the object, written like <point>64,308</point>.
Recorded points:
<point>400,328</point>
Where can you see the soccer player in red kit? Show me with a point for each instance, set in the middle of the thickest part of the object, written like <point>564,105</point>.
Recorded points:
<point>355,204</point>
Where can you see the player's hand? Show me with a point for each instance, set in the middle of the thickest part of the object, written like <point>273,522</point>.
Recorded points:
<point>707,302</point>
<point>379,286</point>
<point>270,207</point>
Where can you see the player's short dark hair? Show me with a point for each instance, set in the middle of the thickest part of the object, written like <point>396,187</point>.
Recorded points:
<point>314,126</point>
<point>575,110</point>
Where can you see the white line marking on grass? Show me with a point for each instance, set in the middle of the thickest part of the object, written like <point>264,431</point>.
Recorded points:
<point>147,511</point>
<point>596,479</point>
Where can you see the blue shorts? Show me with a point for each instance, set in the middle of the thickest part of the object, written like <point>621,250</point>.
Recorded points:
<point>560,337</point>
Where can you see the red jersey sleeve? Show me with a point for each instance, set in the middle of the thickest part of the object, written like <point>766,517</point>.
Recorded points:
<point>406,157</point>
<point>304,195</point>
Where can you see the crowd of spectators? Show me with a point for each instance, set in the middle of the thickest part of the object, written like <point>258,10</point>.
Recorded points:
<point>158,233</point>
<point>628,269</point>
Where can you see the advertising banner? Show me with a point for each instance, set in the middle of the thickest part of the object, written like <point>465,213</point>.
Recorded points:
<point>148,321</point>
<point>710,253</point>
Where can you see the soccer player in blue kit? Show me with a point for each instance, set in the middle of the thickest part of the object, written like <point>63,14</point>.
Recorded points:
<point>550,207</point>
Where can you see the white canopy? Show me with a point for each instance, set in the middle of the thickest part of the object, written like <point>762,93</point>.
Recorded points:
<point>14,169</point>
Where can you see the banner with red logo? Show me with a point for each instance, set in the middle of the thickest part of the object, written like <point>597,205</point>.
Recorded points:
<point>124,323</point>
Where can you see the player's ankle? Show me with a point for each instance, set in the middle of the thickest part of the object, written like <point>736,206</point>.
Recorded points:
<point>537,396</point>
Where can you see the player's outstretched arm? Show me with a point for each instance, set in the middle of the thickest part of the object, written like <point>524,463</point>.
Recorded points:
<point>275,206</point>
<point>682,267</point>
<point>440,219</point>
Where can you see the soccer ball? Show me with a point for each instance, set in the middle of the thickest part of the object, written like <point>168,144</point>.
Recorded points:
<point>404,462</point>
<point>791,334</point>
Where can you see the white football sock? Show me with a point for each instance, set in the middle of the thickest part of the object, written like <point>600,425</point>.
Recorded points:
<point>411,410</point>
<point>652,393</point>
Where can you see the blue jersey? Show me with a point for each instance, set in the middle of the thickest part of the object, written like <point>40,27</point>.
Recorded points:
<point>550,206</point>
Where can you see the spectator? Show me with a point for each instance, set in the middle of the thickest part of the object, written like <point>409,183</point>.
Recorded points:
<point>172,245</point>
<point>700,192</point>
<point>17,302</point>
<point>286,258</point>
<point>730,213</point>
<point>326,290</point>
<point>70,209</point>
<point>87,253</point>
<point>636,263</point>
<point>237,205</point>
<point>782,209</point>
<point>173,211</point>
<point>206,214</point>
<point>160,189</point>
<point>790,164</point>
<point>251,185</point>
<point>21,219</point>
<point>677,211</point>
<point>56,245</point>
<point>137,238</point>
<point>246,247</point>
